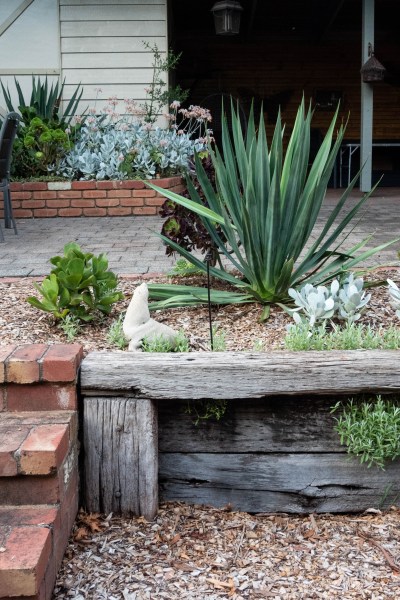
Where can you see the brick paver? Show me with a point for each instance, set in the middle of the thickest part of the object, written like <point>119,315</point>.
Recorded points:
<point>133,247</point>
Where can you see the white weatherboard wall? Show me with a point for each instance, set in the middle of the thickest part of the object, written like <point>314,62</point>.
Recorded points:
<point>98,43</point>
<point>29,44</point>
<point>102,47</point>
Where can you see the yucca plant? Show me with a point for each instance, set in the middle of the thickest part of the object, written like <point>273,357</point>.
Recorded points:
<point>266,203</point>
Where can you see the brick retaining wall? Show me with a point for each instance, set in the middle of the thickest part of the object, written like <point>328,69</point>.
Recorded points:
<point>39,377</point>
<point>89,198</point>
<point>38,464</point>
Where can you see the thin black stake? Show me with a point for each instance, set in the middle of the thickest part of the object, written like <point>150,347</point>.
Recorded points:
<point>208,259</point>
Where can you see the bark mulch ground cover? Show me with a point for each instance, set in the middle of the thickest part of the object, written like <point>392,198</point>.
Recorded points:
<point>196,552</point>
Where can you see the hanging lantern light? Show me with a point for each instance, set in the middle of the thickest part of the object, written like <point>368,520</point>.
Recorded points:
<point>372,70</point>
<point>227,15</point>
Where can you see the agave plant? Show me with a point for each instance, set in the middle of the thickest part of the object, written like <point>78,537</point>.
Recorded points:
<point>266,203</point>
<point>44,101</point>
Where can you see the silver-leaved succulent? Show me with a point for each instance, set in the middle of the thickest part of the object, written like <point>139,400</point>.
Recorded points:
<point>394,293</point>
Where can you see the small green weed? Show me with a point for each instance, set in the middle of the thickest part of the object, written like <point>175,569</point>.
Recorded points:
<point>370,430</point>
<point>161,344</point>
<point>204,410</point>
<point>115,335</point>
<point>219,339</point>
<point>258,346</point>
<point>387,500</point>
<point>183,268</point>
<point>70,326</point>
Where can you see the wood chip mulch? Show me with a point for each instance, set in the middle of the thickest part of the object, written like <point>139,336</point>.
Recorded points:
<point>21,323</point>
<point>195,552</point>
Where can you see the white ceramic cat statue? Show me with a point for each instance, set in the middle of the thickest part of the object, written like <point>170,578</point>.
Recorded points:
<point>138,325</point>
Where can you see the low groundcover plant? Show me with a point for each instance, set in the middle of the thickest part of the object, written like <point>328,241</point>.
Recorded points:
<point>315,305</point>
<point>370,429</point>
<point>351,337</point>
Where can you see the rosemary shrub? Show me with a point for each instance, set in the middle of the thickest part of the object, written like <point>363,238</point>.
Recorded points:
<point>370,430</point>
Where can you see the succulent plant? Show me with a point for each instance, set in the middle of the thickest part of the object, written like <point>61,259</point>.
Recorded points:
<point>352,299</point>
<point>346,301</point>
<point>318,303</point>
<point>394,292</point>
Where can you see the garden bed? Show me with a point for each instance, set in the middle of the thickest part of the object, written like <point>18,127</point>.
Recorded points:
<point>23,324</point>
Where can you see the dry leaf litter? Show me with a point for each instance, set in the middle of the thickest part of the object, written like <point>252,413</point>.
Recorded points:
<point>193,552</point>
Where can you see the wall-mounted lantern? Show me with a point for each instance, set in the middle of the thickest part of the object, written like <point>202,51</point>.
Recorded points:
<point>227,17</point>
<point>372,70</point>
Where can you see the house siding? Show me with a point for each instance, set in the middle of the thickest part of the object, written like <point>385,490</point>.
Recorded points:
<point>96,43</point>
<point>102,46</point>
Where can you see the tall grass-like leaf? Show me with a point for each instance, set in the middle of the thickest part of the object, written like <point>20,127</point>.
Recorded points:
<point>266,202</point>
<point>45,99</point>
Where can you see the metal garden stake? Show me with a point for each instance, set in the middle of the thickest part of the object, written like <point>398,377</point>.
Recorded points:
<point>208,258</point>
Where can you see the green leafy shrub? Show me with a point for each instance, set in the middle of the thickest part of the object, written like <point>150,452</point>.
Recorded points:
<point>370,430</point>
<point>79,284</point>
<point>39,146</point>
<point>42,140</point>
<point>266,202</point>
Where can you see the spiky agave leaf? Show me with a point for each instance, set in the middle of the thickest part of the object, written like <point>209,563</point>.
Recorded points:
<point>266,203</point>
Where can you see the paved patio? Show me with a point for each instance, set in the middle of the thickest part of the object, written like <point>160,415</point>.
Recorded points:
<point>133,247</point>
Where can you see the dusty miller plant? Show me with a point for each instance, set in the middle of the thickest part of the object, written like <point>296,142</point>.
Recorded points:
<point>352,299</point>
<point>119,146</point>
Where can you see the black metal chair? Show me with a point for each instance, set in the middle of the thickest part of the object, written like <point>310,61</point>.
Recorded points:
<point>7,136</point>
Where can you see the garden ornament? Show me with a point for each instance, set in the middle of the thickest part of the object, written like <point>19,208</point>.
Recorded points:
<point>138,325</point>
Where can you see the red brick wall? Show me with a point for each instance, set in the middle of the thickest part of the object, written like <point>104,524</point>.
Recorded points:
<point>39,377</point>
<point>89,198</point>
<point>39,493</point>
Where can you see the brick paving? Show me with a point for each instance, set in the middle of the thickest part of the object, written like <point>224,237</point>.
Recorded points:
<point>133,247</point>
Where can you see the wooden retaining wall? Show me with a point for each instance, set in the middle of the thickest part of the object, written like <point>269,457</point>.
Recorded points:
<point>276,449</point>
